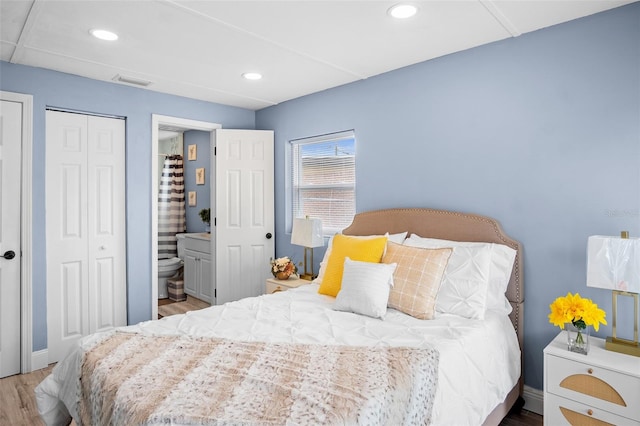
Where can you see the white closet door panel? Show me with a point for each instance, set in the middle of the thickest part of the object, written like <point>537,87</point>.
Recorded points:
<point>66,204</point>
<point>71,300</point>
<point>72,210</point>
<point>104,315</point>
<point>107,240</point>
<point>104,202</point>
<point>244,211</point>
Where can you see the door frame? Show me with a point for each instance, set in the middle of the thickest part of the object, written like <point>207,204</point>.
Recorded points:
<point>183,124</point>
<point>26,224</point>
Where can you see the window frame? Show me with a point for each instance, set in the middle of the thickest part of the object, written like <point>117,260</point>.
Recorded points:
<point>289,185</point>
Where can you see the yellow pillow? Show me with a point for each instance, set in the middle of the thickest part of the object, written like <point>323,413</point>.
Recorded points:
<point>363,250</point>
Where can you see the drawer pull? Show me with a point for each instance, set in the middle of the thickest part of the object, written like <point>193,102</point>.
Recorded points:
<point>590,412</point>
<point>277,289</point>
<point>590,371</point>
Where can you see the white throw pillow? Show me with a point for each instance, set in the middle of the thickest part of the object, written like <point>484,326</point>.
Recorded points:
<point>365,288</point>
<point>396,238</point>
<point>500,267</point>
<point>465,281</point>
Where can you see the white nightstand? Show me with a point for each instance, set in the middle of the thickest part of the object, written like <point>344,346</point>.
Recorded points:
<point>274,285</point>
<point>600,388</point>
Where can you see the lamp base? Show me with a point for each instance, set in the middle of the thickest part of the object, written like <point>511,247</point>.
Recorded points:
<point>307,277</point>
<point>622,346</point>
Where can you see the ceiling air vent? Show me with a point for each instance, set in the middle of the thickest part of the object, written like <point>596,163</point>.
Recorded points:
<point>131,80</point>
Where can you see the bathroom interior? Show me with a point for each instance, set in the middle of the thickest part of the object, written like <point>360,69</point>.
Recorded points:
<point>184,257</point>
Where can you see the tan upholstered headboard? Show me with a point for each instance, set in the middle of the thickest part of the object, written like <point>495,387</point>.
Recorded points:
<point>448,225</point>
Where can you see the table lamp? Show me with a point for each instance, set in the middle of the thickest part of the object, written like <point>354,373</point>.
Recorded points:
<point>613,263</point>
<point>307,232</point>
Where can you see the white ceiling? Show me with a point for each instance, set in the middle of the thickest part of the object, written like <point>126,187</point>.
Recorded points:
<point>199,49</point>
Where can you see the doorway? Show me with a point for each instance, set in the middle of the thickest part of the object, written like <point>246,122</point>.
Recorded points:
<point>177,124</point>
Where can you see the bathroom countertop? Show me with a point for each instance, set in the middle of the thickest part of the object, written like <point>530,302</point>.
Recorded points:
<point>199,235</point>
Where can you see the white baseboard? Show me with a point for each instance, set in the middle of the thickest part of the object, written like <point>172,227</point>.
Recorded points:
<point>39,360</point>
<point>533,400</point>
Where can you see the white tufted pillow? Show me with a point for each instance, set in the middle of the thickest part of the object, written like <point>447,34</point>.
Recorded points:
<point>468,265</point>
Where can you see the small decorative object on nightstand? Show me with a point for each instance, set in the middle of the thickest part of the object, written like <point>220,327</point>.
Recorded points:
<point>283,267</point>
<point>575,315</point>
<point>274,285</point>
<point>601,388</point>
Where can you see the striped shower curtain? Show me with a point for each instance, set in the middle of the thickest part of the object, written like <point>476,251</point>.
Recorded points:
<point>171,210</point>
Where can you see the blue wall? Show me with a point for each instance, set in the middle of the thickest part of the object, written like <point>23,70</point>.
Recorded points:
<point>541,132</point>
<point>203,142</point>
<point>50,88</point>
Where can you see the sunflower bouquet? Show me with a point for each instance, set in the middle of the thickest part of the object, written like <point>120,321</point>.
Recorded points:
<point>579,312</point>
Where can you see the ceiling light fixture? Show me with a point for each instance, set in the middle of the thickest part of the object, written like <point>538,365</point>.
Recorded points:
<point>252,75</point>
<point>402,11</point>
<point>104,34</point>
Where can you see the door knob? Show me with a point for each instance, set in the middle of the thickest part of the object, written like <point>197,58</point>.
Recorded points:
<point>9,254</point>
<point>268,235</point>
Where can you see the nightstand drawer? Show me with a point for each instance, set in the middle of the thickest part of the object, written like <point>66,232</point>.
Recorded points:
<point>273,285</point>
<point>562,411</point>
<point>597,387</point>
<point>274,288</point>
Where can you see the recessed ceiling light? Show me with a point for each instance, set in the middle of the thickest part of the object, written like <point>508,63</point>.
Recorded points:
<point>402,11</point>
<point>252,75</point>
<point>104,34</point>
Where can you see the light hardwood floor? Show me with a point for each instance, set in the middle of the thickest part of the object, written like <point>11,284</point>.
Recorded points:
<point>167,307</point>
<point>18,403</point>
<point>17,400</point>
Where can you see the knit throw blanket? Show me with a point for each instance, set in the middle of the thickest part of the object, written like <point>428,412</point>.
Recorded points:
<point>132,379</point>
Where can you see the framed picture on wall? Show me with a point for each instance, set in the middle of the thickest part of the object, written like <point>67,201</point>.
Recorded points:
<point>192,198</point>
<point>200,176</point>
<point>193,152</point>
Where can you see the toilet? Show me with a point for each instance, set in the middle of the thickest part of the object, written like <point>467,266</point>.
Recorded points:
<point>168,268</point>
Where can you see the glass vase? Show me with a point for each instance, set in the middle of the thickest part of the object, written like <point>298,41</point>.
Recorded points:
<point>284,275</point>
<point>577,339</point>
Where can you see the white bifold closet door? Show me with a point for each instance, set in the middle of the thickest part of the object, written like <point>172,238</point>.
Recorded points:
<point>85,227</point>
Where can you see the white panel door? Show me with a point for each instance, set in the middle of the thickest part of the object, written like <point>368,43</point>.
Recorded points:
<point>106,223</point>
<point>10,160</point>
<point>86,281</point>
<point>244,212</point>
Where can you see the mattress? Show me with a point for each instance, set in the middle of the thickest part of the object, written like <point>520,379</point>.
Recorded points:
<point>479,359</point>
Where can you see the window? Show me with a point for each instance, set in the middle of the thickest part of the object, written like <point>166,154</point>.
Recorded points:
<point>323,179</point>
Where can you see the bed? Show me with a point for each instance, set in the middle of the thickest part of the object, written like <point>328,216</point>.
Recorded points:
<point>294,358</point>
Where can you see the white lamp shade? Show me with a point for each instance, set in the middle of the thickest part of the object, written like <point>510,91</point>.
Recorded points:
<point>307,232</point>
<point>613,263</point>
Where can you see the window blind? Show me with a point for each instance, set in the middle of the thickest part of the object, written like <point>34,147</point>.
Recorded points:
<point>324,179</point>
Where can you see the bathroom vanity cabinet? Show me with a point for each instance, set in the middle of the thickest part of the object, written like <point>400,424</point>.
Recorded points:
<point>199,280</point>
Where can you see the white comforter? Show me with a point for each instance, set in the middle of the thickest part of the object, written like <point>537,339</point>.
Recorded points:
<point>479,360</point>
